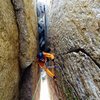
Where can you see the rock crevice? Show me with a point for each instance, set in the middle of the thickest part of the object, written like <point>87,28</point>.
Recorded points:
<point>78,50</point>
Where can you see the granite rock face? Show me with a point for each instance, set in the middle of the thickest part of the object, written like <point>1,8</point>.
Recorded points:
<point>18,39</point>
<point>9,65</point>
<point>32,38</point>
<point>74,33</point>
<point>25,12</point>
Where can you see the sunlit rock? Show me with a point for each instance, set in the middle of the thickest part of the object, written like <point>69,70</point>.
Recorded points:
<point>18,39</point>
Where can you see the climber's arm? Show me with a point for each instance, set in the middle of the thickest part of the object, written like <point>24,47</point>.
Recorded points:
<point>48,55</point>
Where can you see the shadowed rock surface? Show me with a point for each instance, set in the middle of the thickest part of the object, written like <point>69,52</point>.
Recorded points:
<point>73,32</point>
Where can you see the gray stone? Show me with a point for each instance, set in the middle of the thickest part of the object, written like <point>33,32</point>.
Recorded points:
<point>74,33</point>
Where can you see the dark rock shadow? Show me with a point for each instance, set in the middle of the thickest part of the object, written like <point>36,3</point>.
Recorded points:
<point>26,84</point>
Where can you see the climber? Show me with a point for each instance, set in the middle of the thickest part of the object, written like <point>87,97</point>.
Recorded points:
<point>42,59</point>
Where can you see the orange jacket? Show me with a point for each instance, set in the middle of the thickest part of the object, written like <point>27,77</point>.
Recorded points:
<point>46,55</point>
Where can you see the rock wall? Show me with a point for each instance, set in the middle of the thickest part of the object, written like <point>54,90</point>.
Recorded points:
<point>18,48</point>
<point>73,32</point>
<point>9,48</point>
<point>56,92</point>
<point>25,12</point>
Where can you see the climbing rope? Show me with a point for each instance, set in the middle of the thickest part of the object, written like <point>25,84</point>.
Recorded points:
<point>36,88</point>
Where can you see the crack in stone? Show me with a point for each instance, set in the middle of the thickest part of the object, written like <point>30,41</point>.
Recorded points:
<point>63,66</point>
<point>85,52</point>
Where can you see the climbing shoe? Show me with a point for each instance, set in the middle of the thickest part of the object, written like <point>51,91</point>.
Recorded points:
<point>54,77</point>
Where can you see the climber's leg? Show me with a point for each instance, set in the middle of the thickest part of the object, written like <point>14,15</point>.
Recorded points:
<point>48,71</point>
<point>42,65</point>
